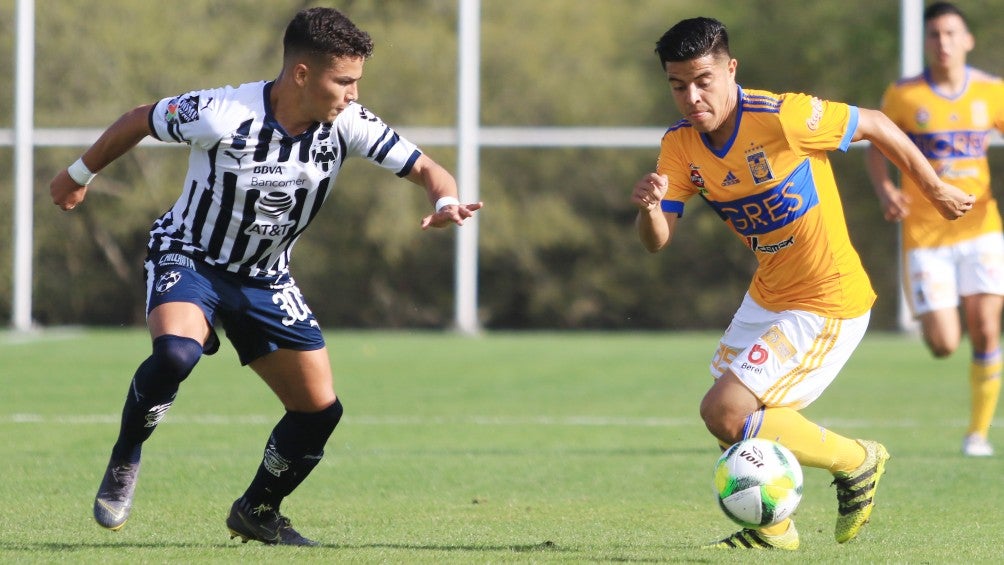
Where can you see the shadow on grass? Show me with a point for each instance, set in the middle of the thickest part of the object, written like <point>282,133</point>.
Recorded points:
<point>542,547</point>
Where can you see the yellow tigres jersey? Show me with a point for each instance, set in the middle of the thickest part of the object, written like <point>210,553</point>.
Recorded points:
<point>773,185</point>
<point>953,132</point>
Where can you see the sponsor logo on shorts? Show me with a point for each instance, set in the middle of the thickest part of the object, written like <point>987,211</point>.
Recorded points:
<point>177,259</point>
<point>779,344</point>
<point>758,354</point>
<point>723,358</point>
<point>166,281</point>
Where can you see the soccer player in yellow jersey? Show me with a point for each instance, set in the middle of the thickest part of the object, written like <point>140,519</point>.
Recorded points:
<point>759,159</point>
<point>949,112</point>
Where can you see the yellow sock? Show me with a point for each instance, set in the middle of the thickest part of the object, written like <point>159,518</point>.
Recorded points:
<point>812,444</point>
<point>985,383</point>
<point>777,529</point>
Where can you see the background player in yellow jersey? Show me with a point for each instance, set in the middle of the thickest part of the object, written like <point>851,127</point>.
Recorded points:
<point>760,160</point>
<point>949,112</point>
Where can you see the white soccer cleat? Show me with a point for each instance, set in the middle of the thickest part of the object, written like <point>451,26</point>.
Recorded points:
<point>975,445</point>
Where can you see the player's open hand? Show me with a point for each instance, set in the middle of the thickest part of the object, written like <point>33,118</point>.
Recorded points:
<point>452,214</point>
<point>895,204</point>
<point>65,191</point>
<point>951,202</point>
<point>649,190</point>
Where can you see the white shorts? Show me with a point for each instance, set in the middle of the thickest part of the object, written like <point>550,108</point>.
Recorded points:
<point>938,276</point>
<point>786,358</point>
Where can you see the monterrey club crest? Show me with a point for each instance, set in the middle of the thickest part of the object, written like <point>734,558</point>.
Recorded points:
<point>166,281</point>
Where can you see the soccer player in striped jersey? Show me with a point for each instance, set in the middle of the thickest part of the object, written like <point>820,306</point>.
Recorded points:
<point>263,158</point>
<point>759,159</point>
<point>949,111</point>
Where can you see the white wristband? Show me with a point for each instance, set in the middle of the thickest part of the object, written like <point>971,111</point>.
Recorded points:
<point>446,201</point>
<point>80,174</point>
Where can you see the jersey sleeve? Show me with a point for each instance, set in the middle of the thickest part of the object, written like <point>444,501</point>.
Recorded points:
<point>367,136</point>
<point>672,164</point>
<point>999,114</point>
<point>891,106</point>
<point>813,124</point>
<point>192,118</point>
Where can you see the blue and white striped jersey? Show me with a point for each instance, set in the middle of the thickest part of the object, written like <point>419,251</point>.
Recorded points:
<point>251,189</point>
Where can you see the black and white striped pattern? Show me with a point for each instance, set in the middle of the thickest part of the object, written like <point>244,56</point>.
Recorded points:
<point>251,189</point>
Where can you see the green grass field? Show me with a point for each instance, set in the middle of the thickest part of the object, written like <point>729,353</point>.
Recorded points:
<point>508,448</point>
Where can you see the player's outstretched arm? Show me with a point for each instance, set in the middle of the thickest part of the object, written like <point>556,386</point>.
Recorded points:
<point>873,125</point>
<point>655,228</point>
<point>69,186</point>
<point>441,188</point>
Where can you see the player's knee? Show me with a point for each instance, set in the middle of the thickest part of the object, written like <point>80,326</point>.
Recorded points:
<point>717,421</point>
<point>309,431</point>
<point>176,356</point>
<point>171,361</point>
<point>327,419</point>
<point>723,432</point>
<point>941,342</point>
<point>941,349</point>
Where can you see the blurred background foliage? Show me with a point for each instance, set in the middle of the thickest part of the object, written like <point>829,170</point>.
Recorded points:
<point>557,243</point>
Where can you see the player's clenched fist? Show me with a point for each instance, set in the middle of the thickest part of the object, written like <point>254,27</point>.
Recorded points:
<point>65,192</point>
<point>648,191</point>
<point>951,202</point>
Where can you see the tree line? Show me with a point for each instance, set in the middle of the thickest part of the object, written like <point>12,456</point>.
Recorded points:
<point>557,245</point>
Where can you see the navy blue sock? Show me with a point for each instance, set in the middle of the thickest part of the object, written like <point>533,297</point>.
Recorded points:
<point>152,392</point>
<point>293,450</point>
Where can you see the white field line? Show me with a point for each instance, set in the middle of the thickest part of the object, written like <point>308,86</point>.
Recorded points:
<point>596,421</point>
<point>31,337</point>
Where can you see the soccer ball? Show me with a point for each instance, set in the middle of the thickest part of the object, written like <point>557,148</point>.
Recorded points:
<point>758,482</point>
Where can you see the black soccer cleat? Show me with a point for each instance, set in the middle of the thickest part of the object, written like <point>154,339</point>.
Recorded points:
<point>263,524</point>
<point>113,502</point>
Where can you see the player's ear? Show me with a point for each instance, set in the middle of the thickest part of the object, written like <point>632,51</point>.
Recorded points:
<point>300,73</point>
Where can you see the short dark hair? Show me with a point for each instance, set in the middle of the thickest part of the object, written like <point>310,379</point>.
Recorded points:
<point>939,9</point>
<point>323,33</point>
<point>693,39</point>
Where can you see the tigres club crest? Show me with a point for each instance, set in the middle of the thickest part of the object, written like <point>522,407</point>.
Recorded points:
<point>980,114</point>
<point>758,164</point>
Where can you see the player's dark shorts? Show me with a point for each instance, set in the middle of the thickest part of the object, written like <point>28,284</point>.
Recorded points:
<point>257,316</point>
